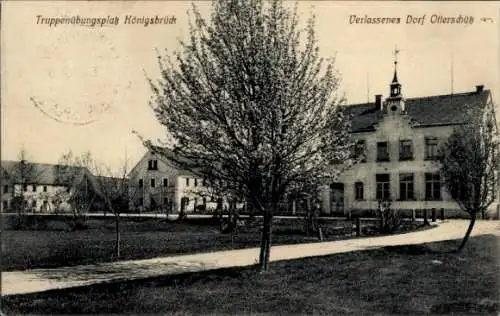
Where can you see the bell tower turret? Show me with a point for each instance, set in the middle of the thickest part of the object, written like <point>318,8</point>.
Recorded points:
<point>395,102</point>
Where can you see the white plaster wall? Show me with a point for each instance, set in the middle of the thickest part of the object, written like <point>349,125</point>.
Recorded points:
<point>392,129</point>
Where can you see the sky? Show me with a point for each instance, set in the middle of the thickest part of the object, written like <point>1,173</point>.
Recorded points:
<point>54,76</point>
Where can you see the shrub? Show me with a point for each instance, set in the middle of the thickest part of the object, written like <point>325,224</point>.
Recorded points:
<point>390,219</point>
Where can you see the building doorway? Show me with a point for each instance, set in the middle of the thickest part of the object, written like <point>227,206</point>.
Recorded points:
<point>337,198</point>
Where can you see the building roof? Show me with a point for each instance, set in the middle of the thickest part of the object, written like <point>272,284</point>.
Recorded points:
<point>424,111</point>
<point>41,173</point>
<point>47,174</point>
<point>115,181</point>
<point>173,159</point>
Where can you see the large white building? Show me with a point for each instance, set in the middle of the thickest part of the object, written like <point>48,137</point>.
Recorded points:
<point>38,184</point>
<point>398,139</point>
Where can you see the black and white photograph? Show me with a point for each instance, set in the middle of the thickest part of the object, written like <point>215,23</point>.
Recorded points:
<point>250,157</point>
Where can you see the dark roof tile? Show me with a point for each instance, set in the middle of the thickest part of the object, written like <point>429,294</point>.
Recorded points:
<point>424,111</point>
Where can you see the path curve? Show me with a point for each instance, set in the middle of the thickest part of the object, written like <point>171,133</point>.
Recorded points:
<point>37,280</point>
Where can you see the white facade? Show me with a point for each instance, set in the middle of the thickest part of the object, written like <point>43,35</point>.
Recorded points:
<point>156,184</point>
<point>39,197</point>
<point>399,140</point>
<point>392,129</point>
<point>42,192</point>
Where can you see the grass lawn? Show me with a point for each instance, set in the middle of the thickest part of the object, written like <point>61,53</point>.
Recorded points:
<point>53,246</point>
<point>420,279</point>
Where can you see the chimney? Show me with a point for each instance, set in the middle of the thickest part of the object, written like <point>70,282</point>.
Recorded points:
<point>479,88</point>
<point>378,101</point>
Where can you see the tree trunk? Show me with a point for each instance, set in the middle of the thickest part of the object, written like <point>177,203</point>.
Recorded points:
<point>232,239</point>
<point>467,234</point>
<point>262,249</point>
<point>265,245</point>
<point>382,220</point>
<point>310,219</point>
<point>117,231</point>
<point>19,217</point>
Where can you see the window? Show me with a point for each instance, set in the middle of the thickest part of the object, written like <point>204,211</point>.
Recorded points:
<point>382,151</point>
<point>165,182</point>
<point>153,182</point>
<point>5,189</point>
<point>359,150</point>
<point>25,187</point>
<point>359,191</point>
<point>432,186</point>
<point>165,201</point>
<point>141,201</point>
<point>204,183</point>
<point>5,204</point>
<point>44,188</point>
<point>141,183</point>
<point>406,186</point>
<point>383,190</point>
<point>195,182</point>
<point>33,203</point>
<point>153,165</point>
<point>405,150</point>
<point>187,182</point>
<point>431,148</point>
<point>204,201</point>
<point>33,187</point>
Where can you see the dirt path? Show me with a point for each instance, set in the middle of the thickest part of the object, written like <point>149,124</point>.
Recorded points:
<point>36,280</point>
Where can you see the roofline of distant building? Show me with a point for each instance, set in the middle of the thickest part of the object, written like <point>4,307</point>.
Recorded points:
<point>425,97</point>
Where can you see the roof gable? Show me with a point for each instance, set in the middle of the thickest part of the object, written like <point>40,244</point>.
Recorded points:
<point>167,157</point>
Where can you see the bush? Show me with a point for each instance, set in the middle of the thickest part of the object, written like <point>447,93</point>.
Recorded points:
<point>390,219</point>
<point>77,222</point>
<point>27,222</point>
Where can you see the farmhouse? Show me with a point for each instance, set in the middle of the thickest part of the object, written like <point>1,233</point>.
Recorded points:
<point>39,185</point>
<point>156,183</point>
<point>397,140</point>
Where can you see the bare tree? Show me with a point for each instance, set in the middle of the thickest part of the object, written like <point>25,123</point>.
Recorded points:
<point>246,103</point>
<point>23,173</point>
<point>116,192</point>
<point>470,163</point>
<point>77,186</point>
